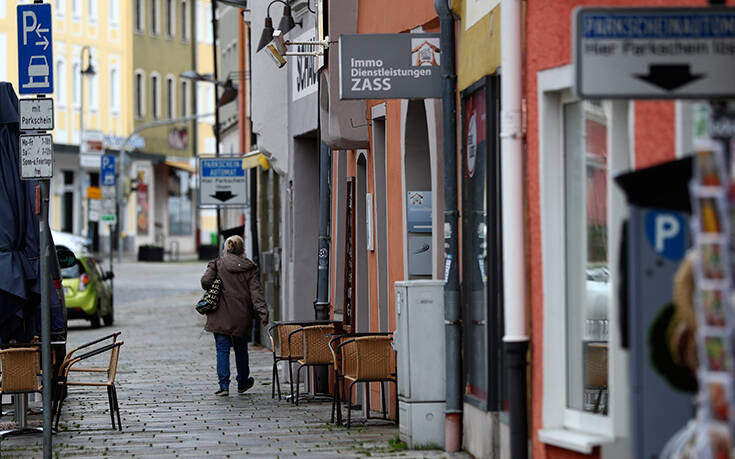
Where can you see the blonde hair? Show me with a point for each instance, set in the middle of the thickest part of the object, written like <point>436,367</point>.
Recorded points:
<point>235,245</point>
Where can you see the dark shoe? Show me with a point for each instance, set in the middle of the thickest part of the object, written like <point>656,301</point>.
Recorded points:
<point>248,384</point>
<point>222,393</point>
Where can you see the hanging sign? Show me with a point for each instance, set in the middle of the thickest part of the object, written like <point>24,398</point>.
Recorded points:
<point>390,66</point>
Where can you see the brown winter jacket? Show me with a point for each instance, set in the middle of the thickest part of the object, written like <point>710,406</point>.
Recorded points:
<point>241,297</point>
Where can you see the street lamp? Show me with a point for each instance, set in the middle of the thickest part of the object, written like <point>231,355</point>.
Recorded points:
<point>229,92</point>
<point>89,72</point>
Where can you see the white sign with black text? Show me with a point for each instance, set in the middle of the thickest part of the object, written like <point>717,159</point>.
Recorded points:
<point>36,114</point>
<point>305,79</point>
<point>36,156</point>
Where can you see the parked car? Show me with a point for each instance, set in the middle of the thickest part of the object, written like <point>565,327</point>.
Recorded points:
<point>88,291</point>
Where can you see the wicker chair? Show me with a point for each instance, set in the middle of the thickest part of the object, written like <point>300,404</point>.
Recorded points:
<point>20,367</point>
<point>316,348</point>
<point>366,359</point>
<point>344,361</point>
<point>285,351</point>
<point>111,371</point>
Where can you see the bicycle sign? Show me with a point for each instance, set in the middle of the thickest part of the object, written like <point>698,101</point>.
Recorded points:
<point>35,49</point>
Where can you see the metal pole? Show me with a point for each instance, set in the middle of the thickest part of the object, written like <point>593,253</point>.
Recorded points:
<point>81,141</point>
<point>452,315</point>
<point>321,305</point>
<point>45,319</point>
<point>194,110</point>
<point>215,74</point>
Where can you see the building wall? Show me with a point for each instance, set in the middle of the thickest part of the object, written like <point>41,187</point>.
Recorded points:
<point>548,36</point>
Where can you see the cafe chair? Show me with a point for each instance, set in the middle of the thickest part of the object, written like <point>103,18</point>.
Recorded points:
<point>366,359</point>
<point>20,369</point>
<point>286,350</point>
<point>68,366</point>
<point>316,350</point>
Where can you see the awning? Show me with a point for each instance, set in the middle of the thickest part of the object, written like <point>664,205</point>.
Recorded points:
<point>183,165</point>
<point>256,160</point>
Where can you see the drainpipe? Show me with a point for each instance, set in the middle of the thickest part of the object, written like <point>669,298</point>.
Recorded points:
<point>321,305</point>
<point>452,317</point>
<point>511,147</point>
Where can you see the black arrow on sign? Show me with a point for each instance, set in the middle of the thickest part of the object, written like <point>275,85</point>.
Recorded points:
<point>669,76</point>
<point>223,195</point>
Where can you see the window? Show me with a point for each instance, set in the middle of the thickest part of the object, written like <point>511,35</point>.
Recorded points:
<point>60,83</point>
<point>76,84</point>
<point>139,94</point>
<point>179,202</point>
<point>139,15</point>
<point>155,97</point>
<point>185,97</point>
<point>115,90</point>
<point>586,247</point>
<point>208,26</point>
<point>170,18</point>
<point>200,22</point>
<point>585,383</point>
<point>114,11</point>
<point>92,11</point>
<point>60,6</point>
<point>76,9</point>
<point>170,97</point>
<point>184,20</point>
<point>154,17</point>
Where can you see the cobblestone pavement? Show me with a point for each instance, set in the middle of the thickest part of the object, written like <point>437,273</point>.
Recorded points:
<point>166,384</point>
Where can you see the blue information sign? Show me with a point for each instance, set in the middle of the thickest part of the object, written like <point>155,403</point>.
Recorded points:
<point>107,170</point>
<point>35,49</point>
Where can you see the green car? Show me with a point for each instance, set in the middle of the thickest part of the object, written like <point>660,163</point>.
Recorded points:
<point>88,291</point>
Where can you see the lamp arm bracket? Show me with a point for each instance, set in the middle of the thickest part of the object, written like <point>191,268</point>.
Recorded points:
<point>323,43</point>
<point>295,53</point>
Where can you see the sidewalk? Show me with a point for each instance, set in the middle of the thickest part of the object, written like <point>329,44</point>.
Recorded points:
<point>166,384</point>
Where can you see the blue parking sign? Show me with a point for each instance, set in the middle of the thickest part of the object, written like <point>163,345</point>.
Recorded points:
<point>35,49</point>
<point>107,170</point>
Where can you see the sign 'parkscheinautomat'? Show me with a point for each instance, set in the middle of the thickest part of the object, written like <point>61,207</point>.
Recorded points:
<point>390,66</point>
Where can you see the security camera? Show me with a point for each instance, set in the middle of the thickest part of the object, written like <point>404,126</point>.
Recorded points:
<point>277,49</point>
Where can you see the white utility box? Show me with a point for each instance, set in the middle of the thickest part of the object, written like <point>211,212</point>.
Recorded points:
<point>419,339</point>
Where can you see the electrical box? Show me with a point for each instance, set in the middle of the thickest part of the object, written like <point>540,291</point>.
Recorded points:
<point>419,339</point>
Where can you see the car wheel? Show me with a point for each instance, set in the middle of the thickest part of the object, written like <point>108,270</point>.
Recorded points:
<point>109,318</point>
<point>95,319</point>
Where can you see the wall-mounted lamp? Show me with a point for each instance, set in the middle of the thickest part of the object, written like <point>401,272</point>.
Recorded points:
<point>287,23</point>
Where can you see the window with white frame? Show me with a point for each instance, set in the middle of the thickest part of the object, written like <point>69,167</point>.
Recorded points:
<point>582,146</point>
<point>114,12</point>
<point>115,90</point>
<point>76,9</point>
<point>200,22</point>
<point>92,11</point>
<point>139,15</point>
<point>60,7</point>
<point>184,20</point>
<point>155,96</point>
<point>60,83</point>
<point>170,97</point>
<point>139,94</point>
<point>155,17</point>
<point>76,84</point>
<point>185,97</point>
<point>170,18</point>
<point>208,26</point>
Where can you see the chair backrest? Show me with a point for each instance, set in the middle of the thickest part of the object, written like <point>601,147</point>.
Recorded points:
<point>349,358</point>
<point>112,368</point>
<point>316,344</point>
<point>20,368</point>
<point>289,347</point>
<point>372,357</point>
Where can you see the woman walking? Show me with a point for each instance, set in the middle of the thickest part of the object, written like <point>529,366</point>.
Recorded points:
<point>232,321</point>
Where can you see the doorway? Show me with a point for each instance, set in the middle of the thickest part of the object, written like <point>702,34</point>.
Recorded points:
<point>362,272</point>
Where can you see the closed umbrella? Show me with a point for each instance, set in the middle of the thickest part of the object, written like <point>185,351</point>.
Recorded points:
<point>19,237</point>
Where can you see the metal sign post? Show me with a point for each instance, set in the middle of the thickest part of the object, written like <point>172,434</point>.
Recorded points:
<point>36,76</point>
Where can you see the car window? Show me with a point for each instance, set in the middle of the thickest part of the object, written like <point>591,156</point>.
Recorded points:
<point>72,271</point>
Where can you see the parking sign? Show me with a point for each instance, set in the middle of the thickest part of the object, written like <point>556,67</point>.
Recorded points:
<point>35,49</point>
<point>107,170</point>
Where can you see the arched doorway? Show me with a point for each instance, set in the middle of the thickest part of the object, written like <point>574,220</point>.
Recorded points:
<point>362,270</point>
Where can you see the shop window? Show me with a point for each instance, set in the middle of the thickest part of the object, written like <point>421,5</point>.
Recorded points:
<point>482,275</point>
<point>179,202</point>
<point>582,145</point>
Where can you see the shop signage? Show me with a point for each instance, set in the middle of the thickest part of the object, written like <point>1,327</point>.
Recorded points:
<point>222,182</point>
<point>36,114</point>
<point>389,66</point>
<point>91,149</point>
<point>665,233</point>
<point>304,76</point>
<point>36,156</point>
<point>654,53</point>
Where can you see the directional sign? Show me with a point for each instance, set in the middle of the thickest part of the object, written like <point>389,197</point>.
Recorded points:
<point>107,170</point>
<point>654,53</point>
<point>35,49</point>
<point>36,156</point>
<point>222,182</point>
<point>36,114</point>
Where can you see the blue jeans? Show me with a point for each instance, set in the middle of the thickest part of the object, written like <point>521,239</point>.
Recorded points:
<point>240,344</point>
